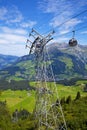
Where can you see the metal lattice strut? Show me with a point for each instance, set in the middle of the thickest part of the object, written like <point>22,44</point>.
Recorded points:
<point>48,110</point>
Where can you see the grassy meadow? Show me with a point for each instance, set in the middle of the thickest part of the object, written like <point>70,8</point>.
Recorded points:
<point>20,99</point>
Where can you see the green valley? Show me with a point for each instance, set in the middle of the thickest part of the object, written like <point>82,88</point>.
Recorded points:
<point>25,99</point>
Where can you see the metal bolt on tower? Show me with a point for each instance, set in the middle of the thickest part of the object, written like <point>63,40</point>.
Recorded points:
<point>48,110</point>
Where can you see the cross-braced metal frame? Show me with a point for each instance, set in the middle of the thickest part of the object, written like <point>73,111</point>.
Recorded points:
<point>48,110</point>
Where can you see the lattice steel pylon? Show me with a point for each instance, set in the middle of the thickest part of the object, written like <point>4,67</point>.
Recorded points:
<point>48,111</point>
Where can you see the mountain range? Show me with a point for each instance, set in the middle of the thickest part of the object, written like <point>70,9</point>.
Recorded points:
<point>66,62</point>
<point>6,60</point>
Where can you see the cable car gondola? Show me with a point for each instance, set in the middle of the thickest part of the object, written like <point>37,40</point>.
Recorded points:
<point>73,42</point>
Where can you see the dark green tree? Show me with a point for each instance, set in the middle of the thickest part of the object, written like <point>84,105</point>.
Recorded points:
<point>78,96</point>
<point>0,92</point>
<point>85,88</point>
<point>5,118</point>
<point>68,100</point>
<point>62,101</point>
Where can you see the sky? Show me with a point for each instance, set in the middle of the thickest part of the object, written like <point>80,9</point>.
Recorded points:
<point>18,17</point>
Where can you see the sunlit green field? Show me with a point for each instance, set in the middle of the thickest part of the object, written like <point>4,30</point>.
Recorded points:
<point>19,99</point>
<point>64,91</point>
<point>26,99</point>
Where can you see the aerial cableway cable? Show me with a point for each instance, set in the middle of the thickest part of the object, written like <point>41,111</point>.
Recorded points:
<point>67,20</point>
<point>60,12</point>
<point>73,30</point>
<point>73,17</point>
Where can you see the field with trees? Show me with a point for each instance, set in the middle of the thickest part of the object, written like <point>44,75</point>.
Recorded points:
<point>22,101</point>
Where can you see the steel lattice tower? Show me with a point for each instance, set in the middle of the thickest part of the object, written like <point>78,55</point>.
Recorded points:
<point>48,111</point>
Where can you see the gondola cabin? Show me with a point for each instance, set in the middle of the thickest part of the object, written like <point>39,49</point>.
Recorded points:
<point>73,42</point>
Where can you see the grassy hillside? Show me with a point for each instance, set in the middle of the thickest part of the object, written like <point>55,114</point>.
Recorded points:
<point>19,99</point>
<point>65,65</point>
<point>75,111</point>
<point>7,60</point>
<point>26,99</point>
<point>75,114</point>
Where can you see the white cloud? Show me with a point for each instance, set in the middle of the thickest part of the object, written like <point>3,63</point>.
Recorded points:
<point>64,31</point>
<point>84,32</point>
<point>61,39</point>
<point>57,20</point>
<point>72,23</point>
<point>3,12</point>
<point>63,11</point>
<point>48,6</point>
<point>14,15</point>
<point>64,20</point>
<point>10,15</point>
<point>59,6</point>
<point>14,49</point>
<point>12,41</point>
<point>53,6</point>
<point>16,31</point>
<point>12,38</point>
<point>13,34</point>
<point>69,26</point>
<point>29,24</point>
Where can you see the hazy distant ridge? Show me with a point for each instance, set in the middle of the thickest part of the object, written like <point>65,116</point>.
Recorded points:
<point>66,62</point>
